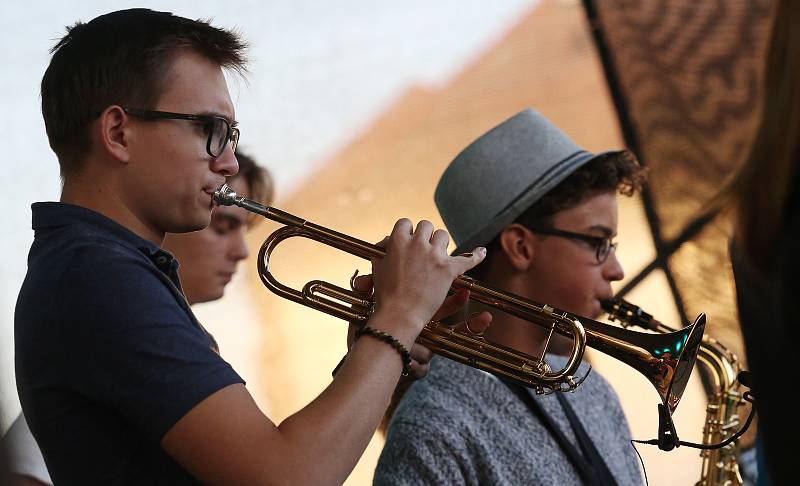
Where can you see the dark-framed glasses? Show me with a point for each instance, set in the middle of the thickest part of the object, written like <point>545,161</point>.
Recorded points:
<point>220,131</point>
<point>602,245</point>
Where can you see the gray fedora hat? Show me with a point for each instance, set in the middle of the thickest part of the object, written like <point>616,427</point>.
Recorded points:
<point>503,173</point>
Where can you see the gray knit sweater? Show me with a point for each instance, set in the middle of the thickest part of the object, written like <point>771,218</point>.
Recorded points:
<point>462,426</point>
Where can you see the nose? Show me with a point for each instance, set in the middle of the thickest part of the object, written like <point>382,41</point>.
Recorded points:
<point>226,164</point>
<point>238,247</point>
<point>612,270</point>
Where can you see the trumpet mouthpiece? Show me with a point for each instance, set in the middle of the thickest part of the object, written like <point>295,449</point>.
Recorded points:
<point>225,196</point>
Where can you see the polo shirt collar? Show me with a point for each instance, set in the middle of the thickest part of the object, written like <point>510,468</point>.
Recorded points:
<point>51,215</point>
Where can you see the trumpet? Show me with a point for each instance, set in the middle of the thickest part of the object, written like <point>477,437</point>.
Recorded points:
<point>720,466</point>
<point>666,360</point>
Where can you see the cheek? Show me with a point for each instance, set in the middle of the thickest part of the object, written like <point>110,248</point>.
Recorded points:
<point>583,296</point>
<point>200,248</point>
<point>586,303</point>
<point>184,171</point>
<point>572,285</point>
<point>212,245</point>
<point>574,291</point>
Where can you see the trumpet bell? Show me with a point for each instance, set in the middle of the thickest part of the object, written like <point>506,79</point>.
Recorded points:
<point>685,363</point>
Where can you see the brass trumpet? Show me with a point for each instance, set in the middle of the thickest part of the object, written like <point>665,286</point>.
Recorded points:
<point>666,359</point>
<point>720,466</point>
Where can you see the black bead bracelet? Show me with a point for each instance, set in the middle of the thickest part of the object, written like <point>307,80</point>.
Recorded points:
<point>390,340</point>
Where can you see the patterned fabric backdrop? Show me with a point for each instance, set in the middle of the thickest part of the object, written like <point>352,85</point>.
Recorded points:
<point>686,80</point>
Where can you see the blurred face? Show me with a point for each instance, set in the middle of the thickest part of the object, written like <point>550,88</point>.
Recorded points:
<point>208,257</point>
<point>565,272</point>
<point>170,178</point>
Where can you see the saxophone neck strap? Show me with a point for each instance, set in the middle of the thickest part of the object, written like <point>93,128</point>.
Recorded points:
<point>586,459</point>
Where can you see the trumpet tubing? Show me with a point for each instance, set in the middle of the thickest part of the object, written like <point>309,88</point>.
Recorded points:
<point>665,360</point>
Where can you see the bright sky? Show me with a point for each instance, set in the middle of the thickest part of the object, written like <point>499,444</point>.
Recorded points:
<point>321,72</point>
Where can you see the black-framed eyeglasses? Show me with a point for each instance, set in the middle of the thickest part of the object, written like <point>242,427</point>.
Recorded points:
<point>220,131</point>
<point>602,245</point>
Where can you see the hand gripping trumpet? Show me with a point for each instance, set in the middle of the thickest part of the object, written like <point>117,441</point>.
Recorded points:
<point>666,359</point>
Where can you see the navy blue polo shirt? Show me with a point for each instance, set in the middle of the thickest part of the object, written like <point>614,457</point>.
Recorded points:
<point>108,353</point>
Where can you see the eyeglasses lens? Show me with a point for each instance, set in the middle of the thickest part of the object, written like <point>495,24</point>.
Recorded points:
<point>234,138</point>
<point>604,249</point>
<point>219,136</point>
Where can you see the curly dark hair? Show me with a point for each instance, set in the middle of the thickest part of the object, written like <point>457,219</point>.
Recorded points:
<point>614,171</point>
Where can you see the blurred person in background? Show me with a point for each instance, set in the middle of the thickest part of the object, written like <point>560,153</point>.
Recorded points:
<point>765,250</point>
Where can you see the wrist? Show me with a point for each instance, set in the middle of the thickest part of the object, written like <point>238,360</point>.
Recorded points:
<point>390,340</point>
<point>404,327</point>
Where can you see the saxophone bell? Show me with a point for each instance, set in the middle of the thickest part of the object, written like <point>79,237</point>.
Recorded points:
<point>720,442</point>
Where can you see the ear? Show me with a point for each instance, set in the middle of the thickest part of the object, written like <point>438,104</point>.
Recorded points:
<point>113,133</point>
<point>519,246</point>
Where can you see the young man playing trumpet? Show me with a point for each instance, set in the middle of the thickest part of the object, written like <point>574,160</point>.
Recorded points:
<point>119,382</point>
<point>547,212</point>
<point>208,259</point>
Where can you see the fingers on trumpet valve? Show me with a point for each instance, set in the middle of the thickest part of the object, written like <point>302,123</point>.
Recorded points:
<point>361,283</point>
<point>475,324</point>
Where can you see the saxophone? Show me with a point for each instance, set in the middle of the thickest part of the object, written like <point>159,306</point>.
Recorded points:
<point>720,466</point>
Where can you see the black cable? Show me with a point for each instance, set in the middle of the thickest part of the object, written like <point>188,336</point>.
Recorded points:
<point>747,397</point>
<point>646,482</point>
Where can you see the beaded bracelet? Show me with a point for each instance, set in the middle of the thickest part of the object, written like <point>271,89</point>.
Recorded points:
<point>390,340</point>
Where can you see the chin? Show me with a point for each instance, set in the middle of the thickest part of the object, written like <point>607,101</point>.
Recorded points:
<point>197,223</point>
<point>208,297</point>
<point>217,294</point>
<point>201,221</point>
<point>187,224</point>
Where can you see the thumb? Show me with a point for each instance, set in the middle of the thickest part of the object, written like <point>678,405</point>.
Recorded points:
<point>466,261</point>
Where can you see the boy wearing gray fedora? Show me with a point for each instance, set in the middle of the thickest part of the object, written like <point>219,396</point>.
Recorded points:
<point>547,212</point>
